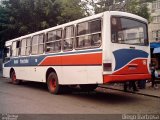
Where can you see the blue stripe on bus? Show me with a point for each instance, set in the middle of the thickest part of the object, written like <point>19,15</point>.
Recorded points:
<point>124,56</point>
<point>35,60</point>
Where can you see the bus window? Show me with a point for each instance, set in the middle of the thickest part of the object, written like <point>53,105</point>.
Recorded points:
<point>7,54</point>
<point>25,46</point>
<point>68,38</point>
<point>128,31</point>
<point>38,44</point>
<point>7,51</point>
<point>15,48</point>
<point>88,34</point>
<point>28,47</point>
<point>53,43</point>
<point>41,44</point>
<point>35,45</point>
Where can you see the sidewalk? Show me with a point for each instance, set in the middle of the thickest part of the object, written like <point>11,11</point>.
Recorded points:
<point>148,91</point>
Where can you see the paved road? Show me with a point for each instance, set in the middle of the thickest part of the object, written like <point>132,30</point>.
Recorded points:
<point>34,98</point>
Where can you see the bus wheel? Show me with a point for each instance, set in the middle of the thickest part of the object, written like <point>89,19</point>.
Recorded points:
<point>52,83</point>
<point>89,87</point>
<point>14,78</point>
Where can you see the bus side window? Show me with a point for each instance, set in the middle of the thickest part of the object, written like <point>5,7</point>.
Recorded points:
<point>53,43</point>
<point>68,38</point>
<point>88,34</point>
<point>82,37</point>
<point>15,48</point>
<point>7,51</point>
<point>25,46</point>
<point>18,48</point>
<point>28,46</point>
<point>41,44</point>
<point>37,44</point>
<point>95,31</point>
<point>7,54</point>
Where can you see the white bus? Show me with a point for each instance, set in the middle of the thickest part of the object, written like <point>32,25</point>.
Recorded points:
<point>108,47</point>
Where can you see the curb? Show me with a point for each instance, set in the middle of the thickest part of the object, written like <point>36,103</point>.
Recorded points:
<point>131,92</point>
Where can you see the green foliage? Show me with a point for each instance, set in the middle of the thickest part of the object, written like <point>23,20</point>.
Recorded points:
<point>102,5</point>
<point>3,25</point>
<point>139,8</point>
<point>26,16</point>
<point>70,10</point>
<point>99,5</point>
<point>20,17</point>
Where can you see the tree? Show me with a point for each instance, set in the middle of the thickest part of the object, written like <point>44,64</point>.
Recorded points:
<point>20,17</point>
<point>3,26</point>
<point>138,7</point>
<point>70,10</point>
<point>99,6</point>
<point>31,15</point>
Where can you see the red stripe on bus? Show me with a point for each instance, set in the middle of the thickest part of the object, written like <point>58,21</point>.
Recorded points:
<point>121,78</point>
<point>138,66</point>
<point>82,59</point>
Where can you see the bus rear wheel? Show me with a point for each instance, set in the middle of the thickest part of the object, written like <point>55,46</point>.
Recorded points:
<point>14,78</point>
<point>52,83</point>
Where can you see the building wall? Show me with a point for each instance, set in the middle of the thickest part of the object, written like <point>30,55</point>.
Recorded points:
<point>154,26</point>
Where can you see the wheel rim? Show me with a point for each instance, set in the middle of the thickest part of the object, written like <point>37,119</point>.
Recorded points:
<point>52,84</point>
<point>13,77</point>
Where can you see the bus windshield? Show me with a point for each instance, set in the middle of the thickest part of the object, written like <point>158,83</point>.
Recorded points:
<point>128,31</point>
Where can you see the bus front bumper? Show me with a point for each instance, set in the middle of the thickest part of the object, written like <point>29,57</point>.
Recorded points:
<point>122,78</point>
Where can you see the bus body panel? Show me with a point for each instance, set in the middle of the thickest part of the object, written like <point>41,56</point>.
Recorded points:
<point>123,78</point>
<point>127,61</point>
<point>130,61</point>
<point>85,68</point>
<point>30,73</point>
<point>81,75</point>
<point>107,53</point>
<point>66,75</point>
<point>6,72</point>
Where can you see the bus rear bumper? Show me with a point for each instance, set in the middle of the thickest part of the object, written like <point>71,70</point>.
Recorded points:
<point>121,78</point>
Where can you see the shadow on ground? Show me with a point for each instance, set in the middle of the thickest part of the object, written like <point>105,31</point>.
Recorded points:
<point>100,94</point>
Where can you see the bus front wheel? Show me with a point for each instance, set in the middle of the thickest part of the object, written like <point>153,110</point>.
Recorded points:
<point>14,78</point>
<point>52,83</point>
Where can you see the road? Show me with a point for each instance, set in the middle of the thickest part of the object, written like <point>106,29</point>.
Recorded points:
<point>33,98</point>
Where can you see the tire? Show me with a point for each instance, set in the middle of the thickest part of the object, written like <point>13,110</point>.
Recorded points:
<point>52,83</point>
<point>89,87</point>
<point>14,78</point>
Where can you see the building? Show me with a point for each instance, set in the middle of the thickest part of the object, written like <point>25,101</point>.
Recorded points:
<point>154,26</point>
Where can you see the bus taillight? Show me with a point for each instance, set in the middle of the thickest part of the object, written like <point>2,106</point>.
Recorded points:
<point>107,66</point>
